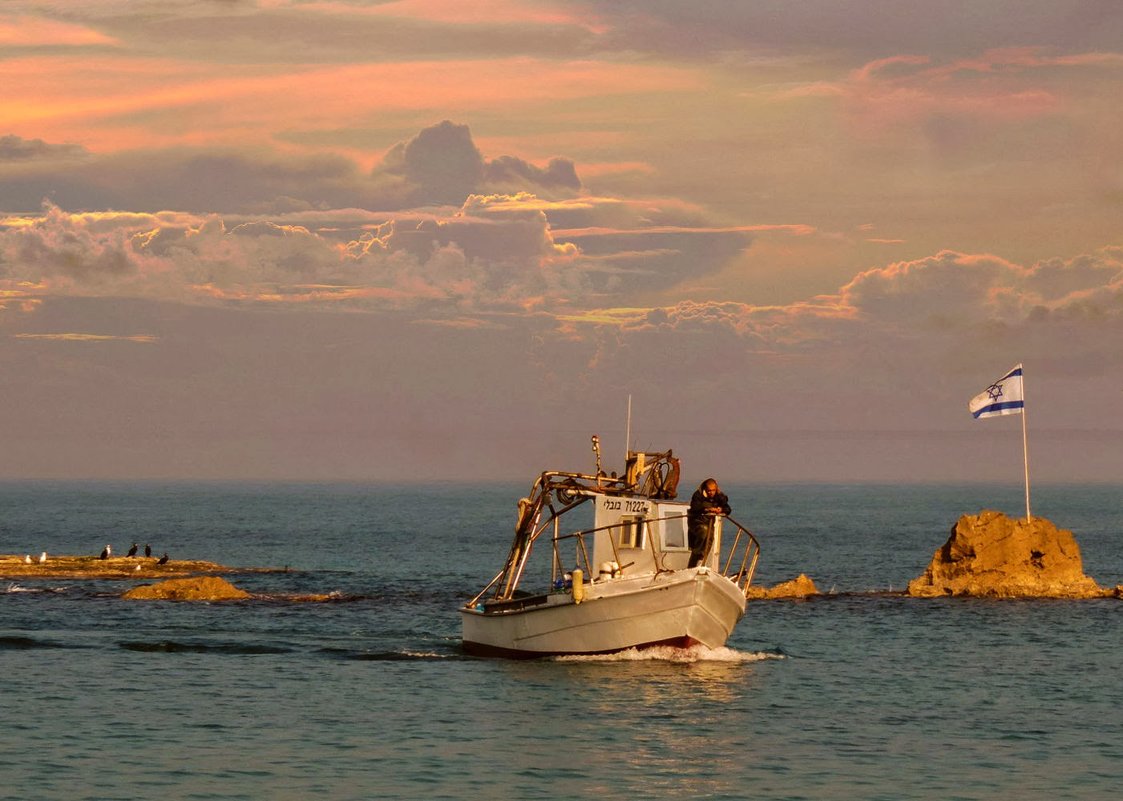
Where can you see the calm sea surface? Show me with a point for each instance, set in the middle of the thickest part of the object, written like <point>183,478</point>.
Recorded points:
<point>859,695</point>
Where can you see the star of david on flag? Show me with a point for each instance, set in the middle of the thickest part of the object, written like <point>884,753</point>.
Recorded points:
<point>1004,396</point>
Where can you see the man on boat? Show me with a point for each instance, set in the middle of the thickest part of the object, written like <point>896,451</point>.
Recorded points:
<point>706,502</point>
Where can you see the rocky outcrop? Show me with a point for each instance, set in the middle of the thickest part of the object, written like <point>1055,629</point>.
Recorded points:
<point>115,567</point>
<point>799,587</point>
<point>201,588</point>
<point>992,555</point>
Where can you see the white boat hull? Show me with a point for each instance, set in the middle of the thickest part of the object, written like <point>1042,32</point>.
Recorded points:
<point>684,607</point>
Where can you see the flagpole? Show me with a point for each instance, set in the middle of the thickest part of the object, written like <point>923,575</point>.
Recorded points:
<point>994,401</point>
<point>1025,446</point>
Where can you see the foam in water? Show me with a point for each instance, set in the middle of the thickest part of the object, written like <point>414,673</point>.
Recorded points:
<point>667,653</point>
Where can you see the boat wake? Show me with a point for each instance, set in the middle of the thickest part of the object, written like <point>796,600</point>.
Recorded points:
<point>667,653</point>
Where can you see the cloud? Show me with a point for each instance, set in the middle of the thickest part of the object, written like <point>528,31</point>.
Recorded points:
<point>489,260</point>
<point>951,311</point>
<point>550,251</point>
<point>75,337</point>
<point>441,165</point>
<point>508,171</point>
<point>26,31</point>
<point>823,29</point>
<point>61,251</point>
<point>495,12</point>
<point>954,102</point>
<point>15,149</point>
<point>199,181</point>
<point>303,232</point>
<point>965,290</point>
<point>497,259</point>
<point>323,32</point>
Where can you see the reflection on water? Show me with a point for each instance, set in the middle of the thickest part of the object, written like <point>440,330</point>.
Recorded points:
<point>664,721</point>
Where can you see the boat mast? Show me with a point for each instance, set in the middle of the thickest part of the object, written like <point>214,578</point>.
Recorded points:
<point>628,431</point>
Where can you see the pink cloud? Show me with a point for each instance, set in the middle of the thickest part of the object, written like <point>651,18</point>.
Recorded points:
<point>505,12</point>
<point>999,85</point>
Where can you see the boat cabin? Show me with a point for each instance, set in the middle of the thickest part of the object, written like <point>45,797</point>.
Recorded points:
<point>637,534</point>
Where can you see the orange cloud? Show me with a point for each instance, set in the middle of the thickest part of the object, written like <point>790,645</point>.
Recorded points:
<point>299,294</point>
<point>597,169</point>
<point>795,229</point>
<point>112,103</point>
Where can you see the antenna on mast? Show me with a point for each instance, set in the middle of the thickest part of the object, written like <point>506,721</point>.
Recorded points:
<point>628,431</point>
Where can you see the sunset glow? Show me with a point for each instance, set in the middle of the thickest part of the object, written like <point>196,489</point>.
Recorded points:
<point>509,217</point>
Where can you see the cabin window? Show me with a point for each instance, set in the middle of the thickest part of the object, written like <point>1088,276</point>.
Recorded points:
<point>633,532</point>
<point>674,533</point>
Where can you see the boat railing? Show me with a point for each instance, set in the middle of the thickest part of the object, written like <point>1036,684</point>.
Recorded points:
<point>556,568</point>
<point>738,565</point>
<point>742,557</point>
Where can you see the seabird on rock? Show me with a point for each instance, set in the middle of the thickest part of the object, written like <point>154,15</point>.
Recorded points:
<point>163,560</point>
<point>132,551</point>
<point>43,557</point>
<point>27,559</point>
<point>147,549</point>
<point>107,552</point>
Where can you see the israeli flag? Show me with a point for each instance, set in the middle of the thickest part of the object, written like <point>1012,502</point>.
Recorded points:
<point>1004,396</point>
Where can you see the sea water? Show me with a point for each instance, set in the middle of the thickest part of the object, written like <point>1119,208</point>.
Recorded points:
<point>859,694</point>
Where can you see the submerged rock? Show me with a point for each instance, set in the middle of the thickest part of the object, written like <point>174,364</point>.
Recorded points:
<point>799,587</point>
<point>990,554</point>
<point>200,588</point>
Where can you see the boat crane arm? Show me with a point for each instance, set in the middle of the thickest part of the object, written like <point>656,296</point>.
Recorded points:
<point>653,475</point>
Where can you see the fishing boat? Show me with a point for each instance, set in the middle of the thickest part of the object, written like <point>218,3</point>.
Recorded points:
<point>600,564</point>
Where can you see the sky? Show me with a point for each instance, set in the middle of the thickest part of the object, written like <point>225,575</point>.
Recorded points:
<point>427,240</point>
